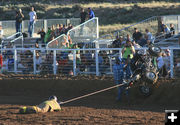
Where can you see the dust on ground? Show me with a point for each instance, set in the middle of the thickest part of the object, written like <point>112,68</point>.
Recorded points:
<point>17,91</point>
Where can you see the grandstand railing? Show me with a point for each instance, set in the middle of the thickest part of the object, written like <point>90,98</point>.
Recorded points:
<point>85,32</point>
<point>70,61</point>
<point>57,42</point>
<point>12,39</point>
<point>152,24</point>
<point>10,28</point>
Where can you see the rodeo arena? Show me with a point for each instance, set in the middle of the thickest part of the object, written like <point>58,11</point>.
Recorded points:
<point>127,77</point>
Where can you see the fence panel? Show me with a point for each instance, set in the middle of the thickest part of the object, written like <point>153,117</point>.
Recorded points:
<point>75,61</point>
<point>172,19</point>
<point>85,32</point>
<point>74,21</point>
<point>8,27</point>
<point>64,62</point>
<point>57,42</point>
<point>39,24</point>
<point>150,23</point>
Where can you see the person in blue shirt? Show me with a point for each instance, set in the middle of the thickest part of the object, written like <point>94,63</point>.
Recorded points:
<point>91,13</point>
<point>118,74</point>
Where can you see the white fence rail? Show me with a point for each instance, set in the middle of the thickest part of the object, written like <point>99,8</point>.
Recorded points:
<point>69,61</point>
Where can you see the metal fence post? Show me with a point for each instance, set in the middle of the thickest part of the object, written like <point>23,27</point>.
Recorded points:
<point>74,62</point>
<point>15,61</point>
<point>34,61</point>
<point>97,63</point>
<point>67,21</point>
<point>22,26</point>
<point>45,25</point>
<point>171,63</point>
<point>120,53</point>
<point>54,62</point>
<point>178,24</point>
<point>97,28</point>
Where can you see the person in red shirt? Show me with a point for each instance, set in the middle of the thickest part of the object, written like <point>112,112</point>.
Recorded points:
<point>1,60</point>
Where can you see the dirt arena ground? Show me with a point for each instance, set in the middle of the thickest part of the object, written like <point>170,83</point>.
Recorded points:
<point>97,109</point>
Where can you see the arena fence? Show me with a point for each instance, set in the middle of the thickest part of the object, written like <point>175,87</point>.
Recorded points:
<point>71,61</point>
<point>9,27</point>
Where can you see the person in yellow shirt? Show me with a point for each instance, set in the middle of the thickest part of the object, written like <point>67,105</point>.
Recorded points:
<point>127,53</point>
<point>47,106</point>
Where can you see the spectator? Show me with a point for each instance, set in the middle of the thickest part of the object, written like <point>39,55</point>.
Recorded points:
<point>167,31</point>
<point>33,18</point>
<point>142,41</point>
<point>161,27</point>
<point>36,45</point>
<point>116,43</point>
<point>38,61</point>
<point>57,33</point>
<point>52,31</point>
<point>161,66</point>
<point>70,42</point>
<point>1,33</point>
<point>42,34</point>
<point>47,35</point>
<point>128,38</point>
<point>91,13</point>
<point>136,45</point>
<point>61,28</point>
<point>19,19</point>
<point>10,63</point>
<point>166,59</point>
<point>136,35</point>
<point>172,30</point>
<point>149,35</point>
<point>83,15</point>
<point>69,27</point>
<point>127,52</point>
<point>1,61</point>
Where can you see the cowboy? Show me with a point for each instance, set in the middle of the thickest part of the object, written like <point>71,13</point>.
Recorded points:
<point>47,106</point>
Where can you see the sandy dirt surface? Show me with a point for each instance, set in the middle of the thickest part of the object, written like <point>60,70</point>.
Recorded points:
<point>97,109</point>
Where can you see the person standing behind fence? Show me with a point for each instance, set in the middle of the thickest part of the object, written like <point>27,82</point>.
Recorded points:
<point>91,13</point>
<point>19,19</point>
<point>127,52</point>
<point>83,15</point>
<point>33,18</point>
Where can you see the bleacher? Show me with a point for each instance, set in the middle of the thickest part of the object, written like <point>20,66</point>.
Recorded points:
<point>93,57</point>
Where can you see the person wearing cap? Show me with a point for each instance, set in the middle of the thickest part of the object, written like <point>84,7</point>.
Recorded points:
<point>91,13</point>
<point>49,105</point>
<point>19,19</point>
<point>118,75</point>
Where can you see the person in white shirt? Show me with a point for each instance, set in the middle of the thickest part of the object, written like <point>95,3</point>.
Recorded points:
<point>161,66</point>
<point>160,62</point>
<point>33,18</point>
<point>149,35</point>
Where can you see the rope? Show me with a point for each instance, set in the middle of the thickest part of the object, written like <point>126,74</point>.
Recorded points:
<point>93,93</point>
